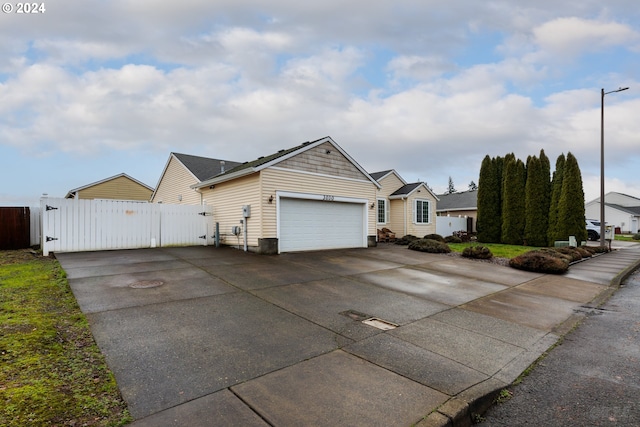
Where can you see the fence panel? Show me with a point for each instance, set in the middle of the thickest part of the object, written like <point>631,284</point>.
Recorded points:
<point>447,225</point>
<point>14,228</point>
<point>70,225</point>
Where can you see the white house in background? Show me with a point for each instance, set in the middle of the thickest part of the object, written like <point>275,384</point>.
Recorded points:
<point>620,210</point>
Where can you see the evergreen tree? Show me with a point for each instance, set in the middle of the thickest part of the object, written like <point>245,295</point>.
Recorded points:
<point>536,201</point>
<point>451,188</point>
<point>571,214</point>
<point>513,203</point>
<point>556,191</point>
<point>489,221</point>
<point>472,186</point>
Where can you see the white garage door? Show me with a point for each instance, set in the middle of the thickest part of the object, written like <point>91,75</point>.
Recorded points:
<point>312,224</point>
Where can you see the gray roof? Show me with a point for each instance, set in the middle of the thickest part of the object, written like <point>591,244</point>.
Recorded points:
<point>633,210</point>
<point>466,200</point>
<point>204,167</point>
<point>378,175</point>
<point>406,189</point>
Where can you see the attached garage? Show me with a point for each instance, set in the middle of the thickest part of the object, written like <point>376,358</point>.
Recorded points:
<point>315,222</point>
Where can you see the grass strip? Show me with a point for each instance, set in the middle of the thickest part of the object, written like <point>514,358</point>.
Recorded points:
<point>52,373</point>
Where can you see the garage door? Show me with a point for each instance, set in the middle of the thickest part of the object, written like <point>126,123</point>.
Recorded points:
<point>312,224</point>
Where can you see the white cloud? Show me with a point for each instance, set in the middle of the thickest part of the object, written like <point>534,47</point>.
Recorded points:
<point>573,36</point>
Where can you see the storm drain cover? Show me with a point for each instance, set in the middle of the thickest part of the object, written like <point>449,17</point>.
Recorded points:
<point>145,284</point>
<point>385,325</point>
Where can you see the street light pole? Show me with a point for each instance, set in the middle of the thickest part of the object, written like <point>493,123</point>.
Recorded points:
<point>603,93</point>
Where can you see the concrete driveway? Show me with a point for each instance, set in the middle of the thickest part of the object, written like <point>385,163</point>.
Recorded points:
<point>203,336</point>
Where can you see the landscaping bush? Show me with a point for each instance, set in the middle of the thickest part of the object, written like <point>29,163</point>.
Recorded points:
<point>434,236</point>
<point>539,262</point>
<point>405,240</point>
<point>477,252</point>
<point>552,252</point>
<point>452,239</point>
<point>571,251</point>
<point>429,245</point>
<point>599,249</point>
<point>584,252</point>
<point>636,236</point>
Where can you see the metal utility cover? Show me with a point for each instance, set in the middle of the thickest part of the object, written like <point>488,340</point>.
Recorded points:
<point>380,324</point>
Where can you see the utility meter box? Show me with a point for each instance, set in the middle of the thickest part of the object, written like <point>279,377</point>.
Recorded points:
<point>236,230</point>
<point>246,211</point>
<point>608,232</point>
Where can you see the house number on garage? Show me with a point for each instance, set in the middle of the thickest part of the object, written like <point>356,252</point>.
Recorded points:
<point>327,198</point>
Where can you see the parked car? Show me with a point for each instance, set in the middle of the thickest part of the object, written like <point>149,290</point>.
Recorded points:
<point>593,229</point>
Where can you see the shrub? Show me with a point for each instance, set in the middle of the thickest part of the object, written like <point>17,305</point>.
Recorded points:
<point>434,236</point>
<point>636,236</point>
<point>539,262</point>
<point>477,252</point>
<point>571,251</point>
<point>452,239</point>
<point>584,252</point>
<point>429,245</point>
<point>405,240</point>
<point>553,253</point>
<point>599,249</point>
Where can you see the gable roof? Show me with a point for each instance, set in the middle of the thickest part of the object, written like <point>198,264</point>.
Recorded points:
<point>407,189</point>
<point>597,199</point>
<point>264,162</point>
<point>71,193</point>
<point>383,174</point>
<point>466,200</point>
<point>204,167</point>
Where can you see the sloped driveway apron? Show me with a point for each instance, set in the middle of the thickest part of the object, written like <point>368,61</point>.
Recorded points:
<point>224,337</point>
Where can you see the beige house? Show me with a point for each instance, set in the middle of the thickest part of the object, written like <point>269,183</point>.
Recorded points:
<point>119,187</point>
<point>310,197</point>
<point>181,172</point>
<point>404,208</point>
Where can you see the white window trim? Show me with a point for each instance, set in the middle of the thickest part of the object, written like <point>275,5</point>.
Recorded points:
<point>415,212</point>
<point>386,210</point>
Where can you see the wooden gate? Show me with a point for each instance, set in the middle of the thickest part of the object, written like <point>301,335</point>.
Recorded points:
<point>14,228</point>
<point>70,225</point>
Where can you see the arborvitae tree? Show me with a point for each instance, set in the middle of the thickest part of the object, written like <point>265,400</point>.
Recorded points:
<point>571,212</point>
<point>451,188</point>
<point>489,221</point>
<point>472,186</point>
<point>513,206</point>
<point>556,191</point>
<point>536,202</point>
<point>545,173</point>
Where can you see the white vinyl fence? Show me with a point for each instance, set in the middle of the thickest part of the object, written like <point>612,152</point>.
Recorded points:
<point>447,225</point>
<point>70,225</point>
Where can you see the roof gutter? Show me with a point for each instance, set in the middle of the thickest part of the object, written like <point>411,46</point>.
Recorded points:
<point>223,178</point>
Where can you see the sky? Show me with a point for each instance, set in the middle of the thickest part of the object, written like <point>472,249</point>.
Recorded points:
<point>93,89</point>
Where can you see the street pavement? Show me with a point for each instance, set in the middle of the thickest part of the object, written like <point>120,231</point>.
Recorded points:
<point>201,336</point>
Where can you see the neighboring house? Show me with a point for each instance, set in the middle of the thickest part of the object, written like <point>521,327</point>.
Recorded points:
<point>181,172</point>
<point>620,211</point>
<point>404,208</point>
<point>463,204</point>
<point>119,187</point>
<point>309,197</point>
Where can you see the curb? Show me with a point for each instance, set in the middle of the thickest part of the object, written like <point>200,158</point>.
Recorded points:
<point>460,410</point>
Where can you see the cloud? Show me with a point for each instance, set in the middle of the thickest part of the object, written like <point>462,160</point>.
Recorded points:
<point>573,36</point>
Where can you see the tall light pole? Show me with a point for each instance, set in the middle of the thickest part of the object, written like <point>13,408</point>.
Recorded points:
<point>602,228</point>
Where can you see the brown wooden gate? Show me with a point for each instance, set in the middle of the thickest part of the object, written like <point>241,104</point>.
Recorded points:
<point>14,228</point>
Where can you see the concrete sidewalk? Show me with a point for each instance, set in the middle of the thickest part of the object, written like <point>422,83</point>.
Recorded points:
<point>203,336</point>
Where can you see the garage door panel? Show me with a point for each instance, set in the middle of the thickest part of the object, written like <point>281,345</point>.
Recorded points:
<point>312,224</point>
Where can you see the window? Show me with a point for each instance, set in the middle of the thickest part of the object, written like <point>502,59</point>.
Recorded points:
<point>422,209</point>
<point>382,211</point>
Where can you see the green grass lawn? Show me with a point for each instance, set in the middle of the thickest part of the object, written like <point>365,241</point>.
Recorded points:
<point>625,237</point>
<point>51,370</point>
<point>497,249</point>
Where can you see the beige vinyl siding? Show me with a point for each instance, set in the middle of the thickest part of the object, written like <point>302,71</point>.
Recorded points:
<point>273,180</point>
<point>121,188</point>
<point>227,199</point>
<point>396,217</point>
<point>323,159</point>
<point>389,185</point>
<point>420,230</point>
<point>176,182</point>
